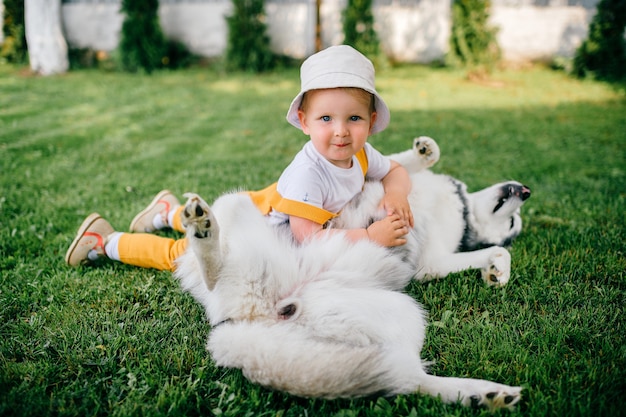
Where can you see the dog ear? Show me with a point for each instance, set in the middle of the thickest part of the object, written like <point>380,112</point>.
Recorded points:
<point>288,309</point>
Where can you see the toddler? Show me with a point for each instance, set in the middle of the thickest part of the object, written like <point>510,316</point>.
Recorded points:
<point>338,107</point>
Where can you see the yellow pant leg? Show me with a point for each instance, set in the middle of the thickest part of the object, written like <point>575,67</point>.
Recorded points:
<point>150,251</point>
<point>177,221</point>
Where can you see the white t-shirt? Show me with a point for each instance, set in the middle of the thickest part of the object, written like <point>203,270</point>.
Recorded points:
<point>310,178</point>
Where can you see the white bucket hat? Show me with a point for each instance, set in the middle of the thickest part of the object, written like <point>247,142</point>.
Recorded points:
<point>339,66</point>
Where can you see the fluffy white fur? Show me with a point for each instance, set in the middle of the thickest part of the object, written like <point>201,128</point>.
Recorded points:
<point>322,319</point>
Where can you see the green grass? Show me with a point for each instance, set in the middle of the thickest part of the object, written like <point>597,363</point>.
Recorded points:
<point>117,340</point>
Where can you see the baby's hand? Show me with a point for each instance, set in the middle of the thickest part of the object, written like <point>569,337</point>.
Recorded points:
<point>390,231</point>
<point>394,203</point>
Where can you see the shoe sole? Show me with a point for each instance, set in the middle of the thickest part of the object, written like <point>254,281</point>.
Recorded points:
<point>79,235</point>
<point>152,204</point>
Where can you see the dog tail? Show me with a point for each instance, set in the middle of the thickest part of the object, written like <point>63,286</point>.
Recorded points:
<point>283,356</point>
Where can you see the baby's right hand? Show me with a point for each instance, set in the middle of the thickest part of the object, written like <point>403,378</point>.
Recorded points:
<point>390,231</point>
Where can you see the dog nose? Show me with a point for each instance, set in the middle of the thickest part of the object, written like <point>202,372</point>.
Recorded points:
<point>524,193</point>
<point>517,190</point>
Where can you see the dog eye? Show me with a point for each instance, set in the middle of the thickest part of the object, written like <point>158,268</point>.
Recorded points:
<point>512,222</point>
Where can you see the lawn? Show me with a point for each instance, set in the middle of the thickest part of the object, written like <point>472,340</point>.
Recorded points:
<point>115,340</point>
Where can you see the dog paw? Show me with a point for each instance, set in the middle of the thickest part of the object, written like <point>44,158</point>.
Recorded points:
<point>498,271</point>
<point>427,150</point>
<point>496,397</point>
<point>197,217</point>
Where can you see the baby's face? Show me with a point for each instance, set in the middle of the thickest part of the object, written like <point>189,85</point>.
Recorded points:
<point>338,124</point>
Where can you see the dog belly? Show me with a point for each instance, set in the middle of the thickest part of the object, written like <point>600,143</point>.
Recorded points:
<point>362,317</point>
<point>439,224</point>
<point>367,344</point>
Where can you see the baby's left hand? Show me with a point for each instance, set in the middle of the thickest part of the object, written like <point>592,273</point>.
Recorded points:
<point>394,203</point>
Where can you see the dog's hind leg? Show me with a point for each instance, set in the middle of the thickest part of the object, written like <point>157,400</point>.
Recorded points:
<point>470,392</point>
<point>202,232</point>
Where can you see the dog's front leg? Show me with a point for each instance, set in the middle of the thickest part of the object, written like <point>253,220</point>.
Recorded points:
<point>498,269</point>
<point>423,155</point>
<point>494,263</point>
<point>202,232</point>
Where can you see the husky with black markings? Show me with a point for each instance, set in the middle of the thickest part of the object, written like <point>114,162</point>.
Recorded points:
<point>326,318</point>
<point>454,230</point>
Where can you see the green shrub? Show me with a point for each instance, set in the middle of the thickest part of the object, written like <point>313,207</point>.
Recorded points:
<point>80,58</point>
<point>604,52</point>
<point>248,45</point>
<point>14,46</point>
<point>473,41</point>
<point>142,45</point>
<point>177,55</point>
<point>359,32</point>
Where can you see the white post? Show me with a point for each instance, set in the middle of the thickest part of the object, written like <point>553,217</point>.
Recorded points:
<point>1,22</point>
<point>47,49</point>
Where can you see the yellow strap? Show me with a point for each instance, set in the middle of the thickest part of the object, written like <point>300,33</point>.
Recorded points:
<point>269,198</point>
<point>361,156</point>
<point>304,210</point>
<point>262,198</point>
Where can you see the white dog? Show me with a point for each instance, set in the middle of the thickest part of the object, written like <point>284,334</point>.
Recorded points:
<point>322,319</point>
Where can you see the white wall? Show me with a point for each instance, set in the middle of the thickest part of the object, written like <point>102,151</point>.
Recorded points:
<point>201,26</point>
<point>409,30</point>
<point>541,30</point>
<point>418,32</point>
<point>92,25</point>
<point>291,27</point>
<point>409,33</point>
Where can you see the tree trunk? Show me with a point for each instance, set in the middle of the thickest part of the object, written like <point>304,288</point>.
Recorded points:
<point>47,49</point>
<point>1,22</point>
